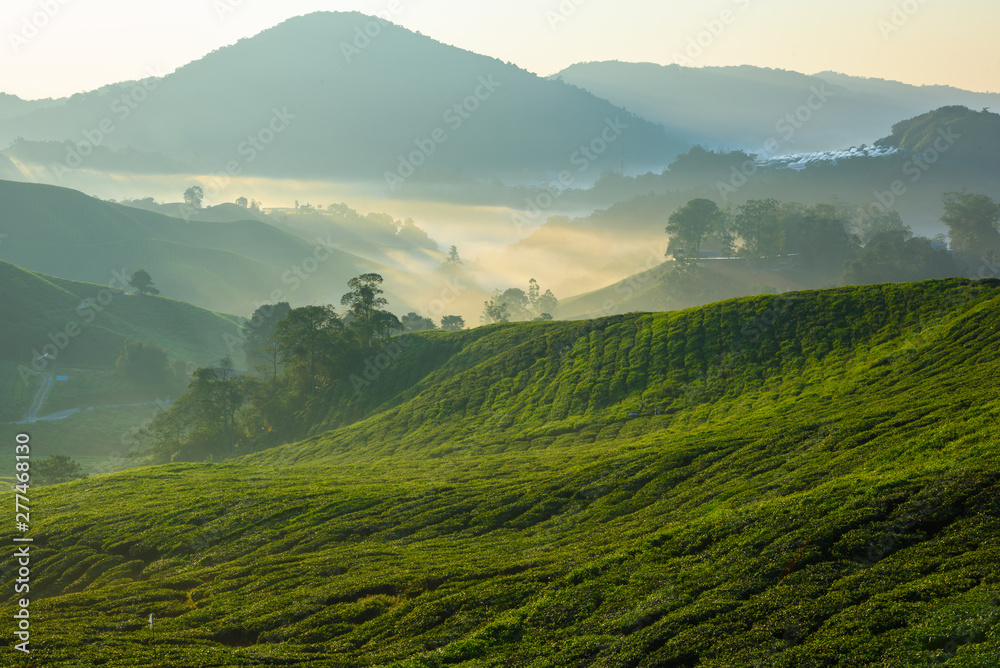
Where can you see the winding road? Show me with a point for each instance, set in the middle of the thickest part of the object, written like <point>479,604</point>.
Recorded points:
<point>43,392</point>
<point>47,381</point>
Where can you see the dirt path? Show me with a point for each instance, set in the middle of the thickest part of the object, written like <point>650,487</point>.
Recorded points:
<point>43,392</point>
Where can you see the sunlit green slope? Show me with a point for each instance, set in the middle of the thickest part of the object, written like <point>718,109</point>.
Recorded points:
<point>820,490</point>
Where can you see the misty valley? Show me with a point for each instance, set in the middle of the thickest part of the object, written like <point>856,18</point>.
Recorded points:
<point>344,346</point>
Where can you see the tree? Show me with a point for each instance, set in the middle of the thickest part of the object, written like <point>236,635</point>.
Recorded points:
<point>225,391</point>
<point>517,304</point>
<point>143,282</point>
<point>54,470</point>
<point>547,304</point>
<point>412,322</point>
<point>972,222</point>
<point>757,224</point>
<point>261,345</point>
<point>308,339</point>
<point>144,363</point>
<point>694,222</point>
<point>203,422</point>
<point>896,256</point>
<point>821,240</point>
<point>243,202</point>
<point>193,196</point>
<point>494,310</point>
<point>364,303</point>
<point>876,223</point>
<point>452,323</point>
<point>453,257</point>
<point>533,294</point>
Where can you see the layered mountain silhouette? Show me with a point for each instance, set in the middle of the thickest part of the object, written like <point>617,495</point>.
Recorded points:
<point>348,96</point>
<point>744,107</point>
<point>225,266</point>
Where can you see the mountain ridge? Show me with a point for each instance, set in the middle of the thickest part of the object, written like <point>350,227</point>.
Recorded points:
<point>224,266</point>
<point>338,124</point>
<point>697,101</point>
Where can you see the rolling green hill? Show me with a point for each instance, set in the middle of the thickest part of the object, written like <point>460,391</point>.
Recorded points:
<point>928,133</point>
<point>226,266</point>
<point>37,306</point>
<point>84,326</point>
<point>669,286</point>
<point>810,480</point>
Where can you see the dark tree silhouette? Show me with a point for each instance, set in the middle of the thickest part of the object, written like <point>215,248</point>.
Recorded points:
<point>452,323</point>
<point>143,282</point>
<point>694,222</point>
<point>972,222</point>
<point>193,196</point>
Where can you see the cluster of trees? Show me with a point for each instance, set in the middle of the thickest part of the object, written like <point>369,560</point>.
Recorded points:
<point>973,222</point>
<point>514,304</point>
<point>892,253</point>
<point>54,470</point>
<point>414,322</point>
<point>297,359</point>
<point>245,203</point>
<point>762,231</point>
<point>147,364</point>
<point>853,243</point>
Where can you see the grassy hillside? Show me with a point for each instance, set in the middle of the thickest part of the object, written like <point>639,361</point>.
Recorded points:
<point>670,286</point>
<point>820,489</point>
<point>84,326</point>
<point>231,266</point>
<point>38,306</point>
<point>929,132</point>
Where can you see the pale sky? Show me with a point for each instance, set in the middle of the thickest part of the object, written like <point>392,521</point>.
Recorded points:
<point>53,48</point>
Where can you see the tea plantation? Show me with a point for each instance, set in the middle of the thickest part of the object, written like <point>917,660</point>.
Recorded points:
<point>803,480</point>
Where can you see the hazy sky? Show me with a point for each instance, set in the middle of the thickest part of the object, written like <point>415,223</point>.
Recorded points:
<point>60,47</point>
